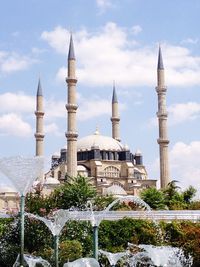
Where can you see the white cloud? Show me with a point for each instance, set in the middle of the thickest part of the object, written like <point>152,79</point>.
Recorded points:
<point>104,4</point>
<point>121,59</point>
<point>190,41</point>
<point>182,112</point>
<point>52,128</point>
<point>87,108</point>
<point>179,113</point>
<point>93,108</point>
<point>16,102</point>
<point>136,29</point>
<point>55,109</point>
<point>12,124</point>
<point>185,163</point>
<point>58,41</point>
<point>11,62</point>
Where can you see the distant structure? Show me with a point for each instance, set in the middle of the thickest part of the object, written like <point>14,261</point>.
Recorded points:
<point>71,110</point>
<point>115,119</point>
<point>163,141</point>
<point>39,113</point>
<point>111,167</point>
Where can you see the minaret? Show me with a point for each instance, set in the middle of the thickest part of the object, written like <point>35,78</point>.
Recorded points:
<point>115,116</point>
<point>71,107</point>
<point>162,121</point>
<point>39,113</point>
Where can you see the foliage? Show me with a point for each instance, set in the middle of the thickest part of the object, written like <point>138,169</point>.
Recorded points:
<point>169,198</point>
<point>74,193</point>
<point>189,194</point>
<point>154,198</point>
<point>101,202</point>
<point>70,250</point>
<point>76,237</point>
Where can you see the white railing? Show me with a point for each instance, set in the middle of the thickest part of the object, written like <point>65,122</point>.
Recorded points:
<point>162,215</point>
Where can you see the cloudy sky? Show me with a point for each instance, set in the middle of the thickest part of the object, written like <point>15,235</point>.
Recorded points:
<point>114,40</point>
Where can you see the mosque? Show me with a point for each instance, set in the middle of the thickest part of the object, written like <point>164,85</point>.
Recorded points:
<point>109,165</point>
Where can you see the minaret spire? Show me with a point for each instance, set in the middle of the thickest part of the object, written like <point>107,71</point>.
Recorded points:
<point>115,119</point>
<point>39,113</point>
<point>71,54</point>
<point>71,107</point>
<point>163,141</point>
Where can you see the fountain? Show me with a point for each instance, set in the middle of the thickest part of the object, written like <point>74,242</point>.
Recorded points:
<point>138,201</point>
<point>157,256</point>
<point>83,262</point>
<point>97,217</point>
<point>32,261</point>
<point>22,171</point>
<point>113,257</point>
<point>55,224</point>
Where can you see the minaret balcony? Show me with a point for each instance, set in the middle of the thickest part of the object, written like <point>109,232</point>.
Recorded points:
<point>115,119</point>
<point>71,107</point>
<point>162,141</point>
<point>71,80</point>
<point>162,114</point>
<point>161,89</point>
<point>39,136</point>
<point>39,113</point>
<point>71,135</point>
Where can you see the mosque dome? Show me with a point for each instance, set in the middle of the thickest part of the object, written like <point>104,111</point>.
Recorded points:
<point>115,190</point>
<point>100,141</point>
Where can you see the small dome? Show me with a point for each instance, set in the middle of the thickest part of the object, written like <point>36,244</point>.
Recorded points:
<point>64,148</point>
<point>81,168</point>
<point>51,180</point>
<point>100,141</point>
<point>115,190</point>
<point>126,148</point>
<point>138,152</point>
<point>56,155</point>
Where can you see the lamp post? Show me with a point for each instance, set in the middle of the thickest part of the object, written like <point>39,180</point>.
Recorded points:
<point>56,246</point>
<point>21,256</point>
<point>95,242</point>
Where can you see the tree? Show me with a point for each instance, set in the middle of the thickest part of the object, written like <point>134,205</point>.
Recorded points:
<point>154,198</point>
<point>173,196</point>
<point>189,194</point>
<point>74,193</point>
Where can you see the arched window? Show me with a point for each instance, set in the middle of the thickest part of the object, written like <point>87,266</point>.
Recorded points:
<point>111,171</point>
<point>59,175</point>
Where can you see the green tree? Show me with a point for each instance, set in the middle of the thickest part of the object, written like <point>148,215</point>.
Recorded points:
<point>74,193</point>
<point>173,196</point>
<point>189,194</point>
<point>154,198</point>
<point>70,250</point>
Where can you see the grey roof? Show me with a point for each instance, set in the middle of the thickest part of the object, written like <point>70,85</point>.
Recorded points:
<point>39,89</point>
<point>114,97</point>
<point>71,54</point>
<point>160,60</point>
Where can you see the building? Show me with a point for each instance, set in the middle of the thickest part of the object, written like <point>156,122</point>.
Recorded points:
<point>110,166</point>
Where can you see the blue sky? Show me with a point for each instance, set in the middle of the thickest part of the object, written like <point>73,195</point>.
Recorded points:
<point>114,40</point>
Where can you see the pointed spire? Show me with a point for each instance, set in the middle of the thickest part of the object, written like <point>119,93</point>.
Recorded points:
<point>71,54</point>
<point>160,60</point>
<point>114,97</point>
<point>39,89</point>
